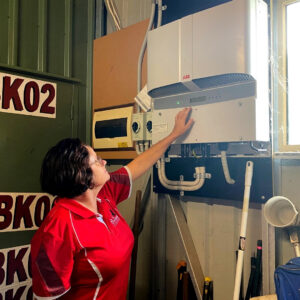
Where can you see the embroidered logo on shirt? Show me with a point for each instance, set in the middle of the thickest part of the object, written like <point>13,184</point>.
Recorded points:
<point>114,218</point>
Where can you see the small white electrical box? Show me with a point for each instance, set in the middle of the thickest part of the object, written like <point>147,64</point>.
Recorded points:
<point>148,126</point>
<point>138,127</point>
<point>141,126</point>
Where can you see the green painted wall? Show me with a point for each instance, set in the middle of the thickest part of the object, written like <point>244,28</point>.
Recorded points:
<point>49,40</point>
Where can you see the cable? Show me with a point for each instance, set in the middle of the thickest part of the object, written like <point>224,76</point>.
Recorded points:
<point>143,48</point>
<point>228,179</point>
<point>115,12</point>
<point>110,9</point>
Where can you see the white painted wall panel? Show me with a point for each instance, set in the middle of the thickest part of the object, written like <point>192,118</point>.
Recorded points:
<point>215,228</point>
<point>290,183</point>
<point>174,253</point>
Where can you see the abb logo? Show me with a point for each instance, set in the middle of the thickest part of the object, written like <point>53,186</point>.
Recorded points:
<point>187,76</point>
<point>21,95</point>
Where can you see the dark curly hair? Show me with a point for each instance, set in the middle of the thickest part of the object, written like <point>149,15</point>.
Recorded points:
<point>65,169</point>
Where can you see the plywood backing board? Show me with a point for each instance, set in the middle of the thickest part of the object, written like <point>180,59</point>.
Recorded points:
<point>115,66</point>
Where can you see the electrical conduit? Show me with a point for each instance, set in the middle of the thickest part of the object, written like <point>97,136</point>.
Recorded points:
<point>228,179</point>
<point>142,52</point>
<point>181,185</point>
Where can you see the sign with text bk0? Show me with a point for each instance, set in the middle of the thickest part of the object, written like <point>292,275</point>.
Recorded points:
<point>23,211</point>
<point>26,96</point>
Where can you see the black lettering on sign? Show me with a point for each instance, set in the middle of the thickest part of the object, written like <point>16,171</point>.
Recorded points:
<point>6,203</point>
<point>22,210</point>
<point>10,92</point>
<point>45,106</point>
<point>29,294</point>
<point>2,271</point>
<point>31,92</point>
<point>10,295</point>
<point>17,293</point>
<point>15,265</point>
<point>28,96</point>
<point>42,208</point>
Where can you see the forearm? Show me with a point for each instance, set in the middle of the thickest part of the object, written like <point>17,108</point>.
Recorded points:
<point>148,158</point>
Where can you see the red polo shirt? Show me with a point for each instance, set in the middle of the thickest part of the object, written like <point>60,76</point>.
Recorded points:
<point>77,254</point>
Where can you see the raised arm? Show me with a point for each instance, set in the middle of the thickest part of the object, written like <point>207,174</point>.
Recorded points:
<point>148,158</point>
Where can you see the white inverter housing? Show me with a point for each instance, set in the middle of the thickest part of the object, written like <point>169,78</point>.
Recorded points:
<point>192,60</point>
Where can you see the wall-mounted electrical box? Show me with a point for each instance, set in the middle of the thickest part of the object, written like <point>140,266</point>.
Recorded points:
<point>222,114</point>
<point>138,128</point>
<point>216,61</point>
<point>148,125</point>
<point>112,128</point>
<point>141,126</point>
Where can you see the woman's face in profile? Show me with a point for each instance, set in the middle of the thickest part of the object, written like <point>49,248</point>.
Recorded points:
<point>100,174</point>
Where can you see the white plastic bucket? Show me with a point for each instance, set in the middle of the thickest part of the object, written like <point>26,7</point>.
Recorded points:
<point>279,211</point>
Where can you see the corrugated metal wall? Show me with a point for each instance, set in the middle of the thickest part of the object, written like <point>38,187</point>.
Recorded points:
<point>49,41</point>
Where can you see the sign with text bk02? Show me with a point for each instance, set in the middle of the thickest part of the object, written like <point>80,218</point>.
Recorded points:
<point>26,96</point>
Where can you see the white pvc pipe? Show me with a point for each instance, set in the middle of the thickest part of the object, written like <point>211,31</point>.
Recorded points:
<point>239,265</point>
<point>178,185</point>
<point>228,179</point>
<point>182,187</point>
<point>200,172</point>
<point>159,12</point>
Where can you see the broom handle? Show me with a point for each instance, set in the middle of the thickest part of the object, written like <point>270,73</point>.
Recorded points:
<point>239,265</point>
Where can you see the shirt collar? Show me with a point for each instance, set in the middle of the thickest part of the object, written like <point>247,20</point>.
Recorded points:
<point>75,207</point>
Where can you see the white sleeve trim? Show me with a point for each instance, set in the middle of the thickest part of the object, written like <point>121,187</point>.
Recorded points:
<point>130,179</point>
<point>49,298</point>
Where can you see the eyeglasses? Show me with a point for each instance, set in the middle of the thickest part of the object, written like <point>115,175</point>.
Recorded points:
<point>99,161</point>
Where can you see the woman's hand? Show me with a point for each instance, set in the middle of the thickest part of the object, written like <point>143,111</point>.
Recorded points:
<point>146,160</point>
<point>182,124</point>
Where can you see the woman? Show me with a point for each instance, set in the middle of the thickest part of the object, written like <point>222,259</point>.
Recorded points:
<point>83,248</point>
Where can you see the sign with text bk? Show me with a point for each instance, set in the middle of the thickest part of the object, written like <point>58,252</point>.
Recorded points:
<point>26,96</point>
<point>15,273</point>
<point>23,211</point>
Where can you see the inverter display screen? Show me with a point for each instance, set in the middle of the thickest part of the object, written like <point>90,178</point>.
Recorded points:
<point>198,99</point>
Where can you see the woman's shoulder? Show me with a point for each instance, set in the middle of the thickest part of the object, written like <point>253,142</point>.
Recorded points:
<point>59,216</point>
<point>59,211</point>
